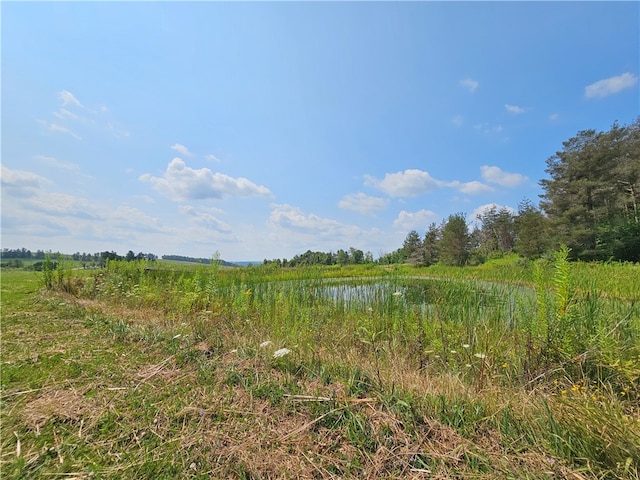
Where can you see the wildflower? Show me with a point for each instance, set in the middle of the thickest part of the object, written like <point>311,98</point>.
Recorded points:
<point>563,392</point>
<point>623,393</point>
<point>281,353</point>
<point>248,292</point>
<point>466,345</point>
<point>479,355</point>
<point>505,365</point>
<point>266,344</point>
<point>575,388</point>
<point>468,365</point>
<point>453,351</point>
<point>397,294</point>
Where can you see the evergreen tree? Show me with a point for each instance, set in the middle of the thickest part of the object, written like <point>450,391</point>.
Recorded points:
<point>593,191</point>
<point>532,231</point>
<point>412,247</point>
<point>454,244</point>
<point>431,251</point>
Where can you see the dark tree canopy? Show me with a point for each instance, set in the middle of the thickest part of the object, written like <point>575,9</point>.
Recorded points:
<point>593,193</point>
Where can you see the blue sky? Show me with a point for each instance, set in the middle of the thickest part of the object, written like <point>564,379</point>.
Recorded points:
<point>262,130</point>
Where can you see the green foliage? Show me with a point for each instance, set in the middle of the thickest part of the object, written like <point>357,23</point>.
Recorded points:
<point>455,241</point>
<point>47,271</point>
<point>593,192</point>
<point>431,359</point>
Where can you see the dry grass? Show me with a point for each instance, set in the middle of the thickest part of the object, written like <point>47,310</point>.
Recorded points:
<point>64,405</point>
<point>186,407</point>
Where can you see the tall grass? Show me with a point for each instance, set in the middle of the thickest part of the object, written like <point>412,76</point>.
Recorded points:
<point>561,337</point>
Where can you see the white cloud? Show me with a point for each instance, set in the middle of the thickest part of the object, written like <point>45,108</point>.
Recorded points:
<point>470,84</point>
<point>64,114</point>
<point>496,175</point>
<point>20,181</point>
<point>482,209</point>
<point>129,219</point>
<point>182,150</point>
<point>515,109</point>
<point>294,218</point>
<point>362,203</point>
<point>68,99</point>
<point>611,85</point>
<point>554,116</point>
<point>470,188</point>
<point>205,219</point>
<point>62,204</point>
<point>413,182</point>
<point>410,183</point>
<point>419,220</point>
<point>212,158</point>
<point>457,120</point>
<point>181,183</point>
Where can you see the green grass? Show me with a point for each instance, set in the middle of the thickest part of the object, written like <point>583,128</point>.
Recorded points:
<point>477,373</point>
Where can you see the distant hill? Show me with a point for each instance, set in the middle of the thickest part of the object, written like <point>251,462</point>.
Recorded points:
<point>205,261</point>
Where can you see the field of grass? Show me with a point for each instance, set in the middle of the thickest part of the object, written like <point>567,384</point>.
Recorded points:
<point>502,371</point>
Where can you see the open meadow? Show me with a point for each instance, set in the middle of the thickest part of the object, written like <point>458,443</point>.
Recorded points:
<point>153,370</point>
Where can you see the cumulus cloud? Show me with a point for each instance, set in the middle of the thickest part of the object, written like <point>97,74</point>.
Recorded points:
<point>483,209</point>
<point>515,109</point>
<point>212,158</point>
<point>496,175</point>
<point>362,203</point>
<point>470,188</point>
<point>313,227</point>
<point>287,216</point>
<point>182,150</point>
<point>182,183</point>
<point>205,219</point>
<point>407,221</point>
<point>611,85</point>
<point>410,183</point>
<point>413,182</point>
<point>470,84</point>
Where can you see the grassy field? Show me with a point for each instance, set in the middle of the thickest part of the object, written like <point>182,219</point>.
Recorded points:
<point>502,371</point>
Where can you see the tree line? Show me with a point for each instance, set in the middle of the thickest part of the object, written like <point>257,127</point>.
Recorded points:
<point>86,260</point>
<point>352,256</point>
<point>591,203</point>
